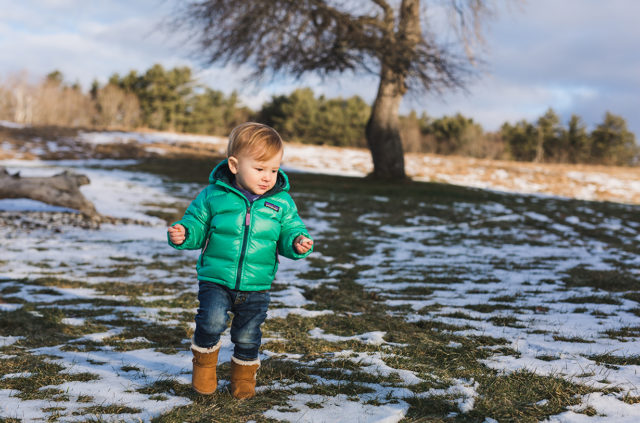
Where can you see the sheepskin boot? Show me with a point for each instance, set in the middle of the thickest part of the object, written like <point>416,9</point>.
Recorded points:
<point>243,377</point>
<point>204,379</point>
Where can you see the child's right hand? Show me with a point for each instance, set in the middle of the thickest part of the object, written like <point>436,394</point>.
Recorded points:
<point>177,234</point>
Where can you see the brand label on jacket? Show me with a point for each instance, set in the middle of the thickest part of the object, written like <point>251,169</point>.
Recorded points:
<point>271,206</point>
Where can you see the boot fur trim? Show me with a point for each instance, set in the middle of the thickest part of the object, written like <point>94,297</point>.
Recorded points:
<point>196,348</point>
<point>245,363</point>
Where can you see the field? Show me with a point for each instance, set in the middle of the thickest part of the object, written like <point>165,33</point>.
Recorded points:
<point>423,302</point>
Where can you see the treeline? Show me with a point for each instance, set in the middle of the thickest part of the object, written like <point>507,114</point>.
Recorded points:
<point>172,99</point>
<point>546,140</point>
<point>157,99</point>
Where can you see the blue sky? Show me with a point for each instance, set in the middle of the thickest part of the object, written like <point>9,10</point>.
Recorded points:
<point>577,56</point>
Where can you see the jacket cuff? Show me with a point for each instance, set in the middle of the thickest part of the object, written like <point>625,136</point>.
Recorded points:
<point>296,255</point>
<point>186,237</point>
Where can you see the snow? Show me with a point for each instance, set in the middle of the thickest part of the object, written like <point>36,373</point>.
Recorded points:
<point>338,409</point>
<point>8,124</point>
<point>371,338</point>
<point>25,204</point>
<point>73,321</point>
<point>9,340</point>
<point>609,409</point>
<point>465,392</point>
<point>374,364</point>
<point>398,257</point>
<point>113,386</point>
<point>15,375</point>
<point>109,137</point>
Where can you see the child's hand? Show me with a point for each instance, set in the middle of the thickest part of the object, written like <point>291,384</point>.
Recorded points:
<point>177,234</point>
<point>302,244</point>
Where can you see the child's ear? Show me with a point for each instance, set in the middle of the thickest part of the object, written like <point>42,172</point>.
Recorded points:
<point>233,165</point>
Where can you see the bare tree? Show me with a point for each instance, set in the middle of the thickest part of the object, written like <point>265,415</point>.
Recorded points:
<point>390,38</point>
<point>117,108</point>
<point>58,104</point>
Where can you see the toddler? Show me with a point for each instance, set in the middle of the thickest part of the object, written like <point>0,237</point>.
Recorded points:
<point>241,221</point>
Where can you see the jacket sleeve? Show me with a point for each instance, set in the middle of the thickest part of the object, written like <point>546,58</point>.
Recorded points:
<point>292,226</point>
<point>196,221</point>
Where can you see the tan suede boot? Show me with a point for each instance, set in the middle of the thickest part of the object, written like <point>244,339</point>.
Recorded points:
<point>204,379</point>
<point>243,377</point>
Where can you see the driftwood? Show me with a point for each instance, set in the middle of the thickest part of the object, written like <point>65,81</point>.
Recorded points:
<point>58,190</point>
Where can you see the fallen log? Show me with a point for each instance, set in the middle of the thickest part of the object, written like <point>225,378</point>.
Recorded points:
<point>59,190</point>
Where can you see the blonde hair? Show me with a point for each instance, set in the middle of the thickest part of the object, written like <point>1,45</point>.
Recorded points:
<point>260,141</point>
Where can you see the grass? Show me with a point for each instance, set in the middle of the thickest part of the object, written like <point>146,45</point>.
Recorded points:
<point>516,397</point>
<point>593,299</point>
<point>617,360</point>
<point>40,373</point>
<point>606,280</point>
<point>41,327</point>
<point>420,342</point>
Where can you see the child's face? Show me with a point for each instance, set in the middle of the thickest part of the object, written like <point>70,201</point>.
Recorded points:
<point>256,176</point>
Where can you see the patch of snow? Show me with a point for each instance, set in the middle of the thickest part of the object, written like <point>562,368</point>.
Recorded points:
<point>9,124</point>
<point>15,375</point>
<point>74,321</point>
<point>371,338</point>
<point>609,408</point>
<point>273,313</point>
<point>338,409</point>
<point>26,204</point>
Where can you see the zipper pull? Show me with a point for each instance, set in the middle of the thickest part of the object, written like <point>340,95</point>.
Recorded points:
<point>247,219</point>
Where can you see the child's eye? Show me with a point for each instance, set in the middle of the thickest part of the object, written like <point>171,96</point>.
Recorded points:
<point>274,171</point>
<point>259,169</point>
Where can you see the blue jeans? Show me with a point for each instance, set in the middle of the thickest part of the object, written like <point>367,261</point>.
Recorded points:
<point>249,310</point>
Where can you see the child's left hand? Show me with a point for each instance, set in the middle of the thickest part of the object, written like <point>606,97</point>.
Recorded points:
<point>302,244</point>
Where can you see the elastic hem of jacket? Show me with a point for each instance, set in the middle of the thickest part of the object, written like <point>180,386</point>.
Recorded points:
<point>232,286</point>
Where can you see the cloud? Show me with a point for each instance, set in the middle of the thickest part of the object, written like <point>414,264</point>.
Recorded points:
<point>577,56</point>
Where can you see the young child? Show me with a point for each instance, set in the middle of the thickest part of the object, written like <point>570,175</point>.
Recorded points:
<point>241,222</point>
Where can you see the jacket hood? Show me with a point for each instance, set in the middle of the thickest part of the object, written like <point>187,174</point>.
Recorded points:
<point>221,174</point>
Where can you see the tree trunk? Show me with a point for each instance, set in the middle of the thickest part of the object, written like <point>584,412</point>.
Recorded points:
<point>383,128</point>
<point>59,190</point>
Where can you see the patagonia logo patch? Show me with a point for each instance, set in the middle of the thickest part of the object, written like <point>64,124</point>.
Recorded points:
<point>271,206</point>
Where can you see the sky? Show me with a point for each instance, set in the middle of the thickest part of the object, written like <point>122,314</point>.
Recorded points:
<point>576,56</point>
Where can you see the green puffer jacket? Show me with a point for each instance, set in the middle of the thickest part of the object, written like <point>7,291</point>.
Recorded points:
<point>240,241</point>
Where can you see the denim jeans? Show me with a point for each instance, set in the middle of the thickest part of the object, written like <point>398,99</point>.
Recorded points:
<point>249,310</point>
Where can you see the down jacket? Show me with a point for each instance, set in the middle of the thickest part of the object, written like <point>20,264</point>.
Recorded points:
<point>240,241</point>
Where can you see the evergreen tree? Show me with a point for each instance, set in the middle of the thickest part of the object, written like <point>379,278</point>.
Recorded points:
<point>550,138</point>
<point>302,117</point>
<point>612,143</point>
<point>453,133</point>
<point>577,141</point>
<point>521,140</point>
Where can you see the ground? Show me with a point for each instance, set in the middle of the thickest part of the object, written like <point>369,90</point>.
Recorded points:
<point>422,301</point>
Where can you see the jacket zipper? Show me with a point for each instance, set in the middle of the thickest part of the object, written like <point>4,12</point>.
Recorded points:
<point>206,244</point>
<point>247,222</point>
